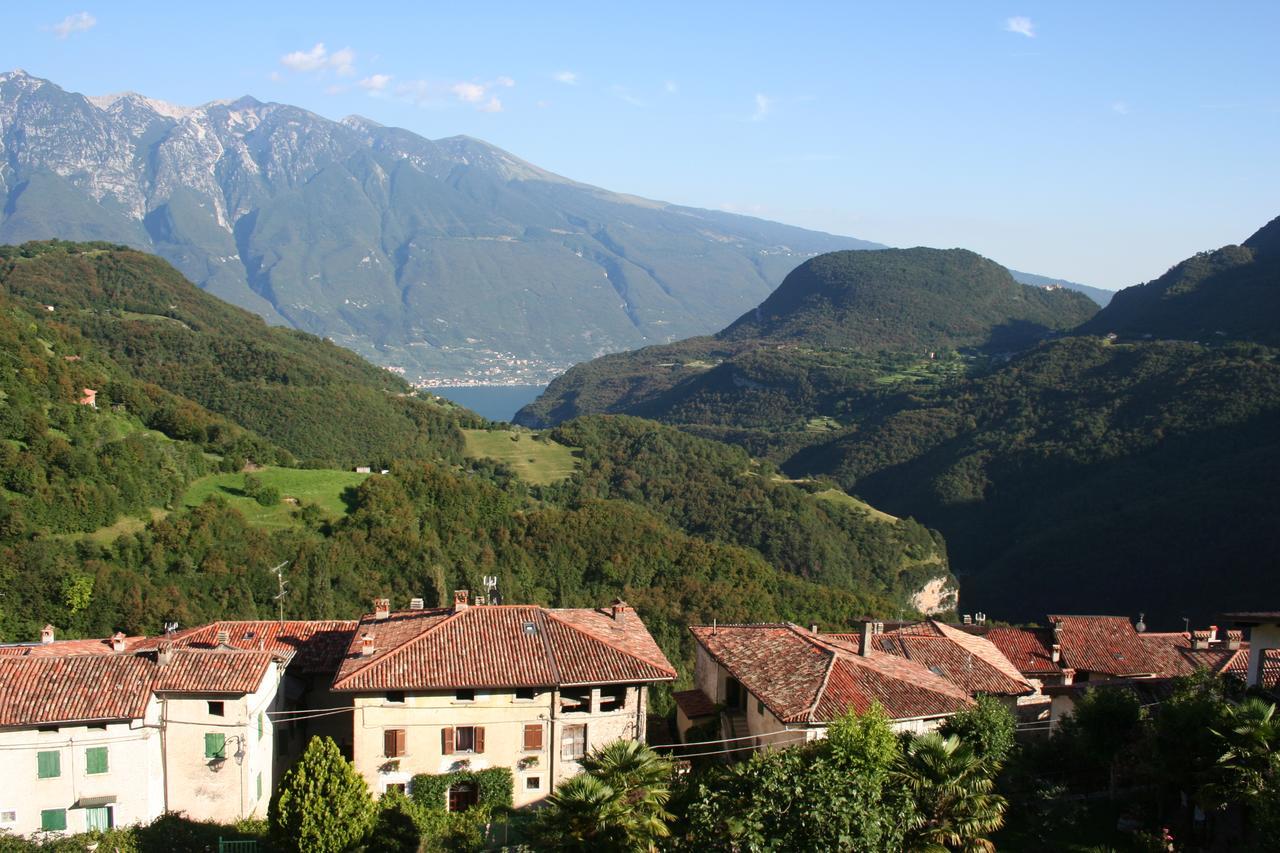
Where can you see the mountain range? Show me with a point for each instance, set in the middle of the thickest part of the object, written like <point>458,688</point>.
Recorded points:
<point>1124,461</point>
<point>445,260</point>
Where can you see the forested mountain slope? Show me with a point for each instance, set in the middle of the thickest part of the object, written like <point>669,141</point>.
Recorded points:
<point>1081,474</point>
<point>836,315</point>
<point>95,536</point>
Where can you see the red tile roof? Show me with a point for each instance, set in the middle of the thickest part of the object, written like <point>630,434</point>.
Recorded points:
<point>1028,649</point>
<point>694,703</point>
<point>44,690</point>
<point>1239,666</point>
<point>310,646</point>
<point>501,646</point>
<point>961,666</point>
<point>68,648</point>
<point>1104,644</point>
<point>213,671</point>
<point>803,677</point>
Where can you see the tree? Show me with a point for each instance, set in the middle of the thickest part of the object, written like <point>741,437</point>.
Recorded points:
<point>323,805</point>
<point>618,802</point>
<point>951,786</point>
<point>988,727</point>
<point>1249,765</point>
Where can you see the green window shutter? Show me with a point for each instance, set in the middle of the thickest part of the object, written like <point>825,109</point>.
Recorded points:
<point>259,786</point>
<point>53,820</point>
<point>262,726</point>
<point>49,764</point>
<point>215,746</point>
<point>95,759</point>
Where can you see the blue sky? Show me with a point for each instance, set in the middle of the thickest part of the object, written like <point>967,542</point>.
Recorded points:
<point>1100,142</point>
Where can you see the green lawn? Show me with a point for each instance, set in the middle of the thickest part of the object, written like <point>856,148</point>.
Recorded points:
<point>538,461</point>
<point>837,496</point>
<point>323,487</point>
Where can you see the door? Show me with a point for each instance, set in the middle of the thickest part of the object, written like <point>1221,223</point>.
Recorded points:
<point>99,818</point>
<point>735,696</point>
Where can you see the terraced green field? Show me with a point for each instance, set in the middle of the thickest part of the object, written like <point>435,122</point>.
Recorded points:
<point>539,461</point>
<point>323,487</point>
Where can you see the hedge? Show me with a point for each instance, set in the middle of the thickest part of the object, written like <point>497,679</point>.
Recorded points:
<point>495,787</point>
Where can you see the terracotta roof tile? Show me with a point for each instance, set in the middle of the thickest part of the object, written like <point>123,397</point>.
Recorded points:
<point>1105,644</point>
<point>69,648</point>
<point>310,646</point>
<point>804,677</point>
<point>213,671</point>
<point>954,662</point>
<point>694,703</point>
<point>500,646</point>
<point>1028,649</point>
<point>44,690</point>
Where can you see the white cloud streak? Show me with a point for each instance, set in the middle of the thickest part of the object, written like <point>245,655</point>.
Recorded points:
<point>78,23</point>
<point>1021,25</point>
<point>318,60</point>
<point>375,82</point>
<point>568,78</point>
<point>1120,108</point>
<point>764,104</point>
<point>434,93</point>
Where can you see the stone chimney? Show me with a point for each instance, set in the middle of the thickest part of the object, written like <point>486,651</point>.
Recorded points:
<point>618,609</point>
<point>381,608</point>
<point>461,599</point>
<point>117,641</point>
<point>224,638</point>
<point>164,652</point>
<point>1056,654</point>
<point>366,644</point>
<point>864,648</point>
<point>813,628</point>
<point>1068,676</point>
<point>46,634</point>
<point>1213,634</point>
<point>416,604</point>
<point>1234,638</point>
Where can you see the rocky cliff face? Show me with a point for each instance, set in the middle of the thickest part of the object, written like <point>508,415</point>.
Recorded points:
<point>450,259</point>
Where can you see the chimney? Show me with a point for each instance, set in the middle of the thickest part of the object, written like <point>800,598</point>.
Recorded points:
<point>46,634</point>
<point>416,604</point>
<point>1200,639</point>
<point>224,638</point>
<point>1233,639</point>
<point>164,652</point>
<point>618,609</point>
<point>1068,676</point>
<point>864,648</point>
<point>878,628</point>
<point>381,608</point>
<point>366,644</point>
<point>813,629</point>
<point>968,620</point>
<point>117,641</point>
<point>1213,633</point>
<point>1057,632</point>
<point>460,597</point>
<point>1057,653</point>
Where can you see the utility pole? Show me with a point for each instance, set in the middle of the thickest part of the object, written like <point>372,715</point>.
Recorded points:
<point>283,585</point>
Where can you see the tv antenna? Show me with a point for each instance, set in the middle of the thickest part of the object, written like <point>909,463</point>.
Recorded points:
<point>283,584</point>
<point>491,589</point>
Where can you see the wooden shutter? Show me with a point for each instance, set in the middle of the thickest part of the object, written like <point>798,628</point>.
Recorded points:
<point>479,739</point>
<point>533,737</point>
<point>215,745</point>
<point>446,740</point>
<point>49,765</point>
<point>389,743</point>
<point>402,739</point>
<point>95,759</point>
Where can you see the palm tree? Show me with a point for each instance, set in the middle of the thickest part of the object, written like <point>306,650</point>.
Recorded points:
<point>617,803</point>
<point>951,786</point>
<point>1249,736</point>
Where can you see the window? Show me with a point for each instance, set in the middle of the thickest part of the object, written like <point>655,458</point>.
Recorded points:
<point>573,743</point>
<point>759,707</point>
<point>53,820</point>
<point>395,786</point>
<point>97,727</point>
<point>613,698</point>
<point>396,696</point>
<point>533,783</point>
<point>48,729</point>
<point>393,743</point>
<point>464,696</point>
<point>262,724</point>
<point>258,785</point>
<point>8,817</point>
<point>461,739</point>
<point>217,709</point>
<point>525,694</point>
<point>215,746</point>
<point>575,701</point>
<point>533,737</point>
<point>95,760</point>
<point>99,818</point>
<point>463,796</point>
<point>49,764</point>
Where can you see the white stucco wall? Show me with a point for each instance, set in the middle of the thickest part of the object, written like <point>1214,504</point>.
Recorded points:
<point>424,715</point>
<point>221,790</point>
<point>134,773</point>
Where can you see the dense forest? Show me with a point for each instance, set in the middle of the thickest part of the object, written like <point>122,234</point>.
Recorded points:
<point>1127,465</point>
<point>687,529</point>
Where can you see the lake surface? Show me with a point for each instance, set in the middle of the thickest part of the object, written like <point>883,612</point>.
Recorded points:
<point>495,402</point>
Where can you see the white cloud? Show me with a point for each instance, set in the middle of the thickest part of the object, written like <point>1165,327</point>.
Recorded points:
<point>671,87</point>
<point>624,94</point>
<point>319,59</point>
<point>505,82</point>
<point>375,82</point>
<point>1021,25</point>
<point>567,77</point>
<point>78,23</point>
<point>763,105</point>
<point>470,92</point>
<point>493,105</point>
<point>1120,108</point>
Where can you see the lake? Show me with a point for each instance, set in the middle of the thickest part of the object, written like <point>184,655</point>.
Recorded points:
<point>495,402</point>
